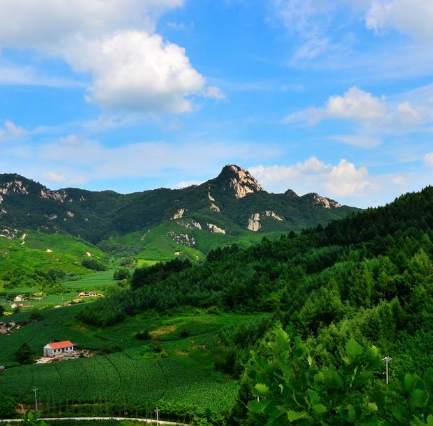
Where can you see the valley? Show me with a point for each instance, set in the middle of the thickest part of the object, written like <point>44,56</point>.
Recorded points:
<point>181,327</point>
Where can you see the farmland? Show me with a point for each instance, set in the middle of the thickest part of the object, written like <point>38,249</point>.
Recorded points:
<point>89,282</point>
<point>176,364</point>
<point>119,377</point>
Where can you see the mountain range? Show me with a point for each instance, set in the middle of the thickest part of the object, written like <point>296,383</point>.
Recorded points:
<point>162,223</point>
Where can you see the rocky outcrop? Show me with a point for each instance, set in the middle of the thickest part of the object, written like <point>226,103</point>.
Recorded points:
<point>238,180</point>
<point>213,207</point>
<point>47,194</point>
<point>15,187</point>
<point>273,215</point>
<point>184,239</point>
<point>189,224</point>
<point>318,200</point>
<point>254,222</point>
<point>9,234</point>
<point>214,229</point>
<point>179,214</point>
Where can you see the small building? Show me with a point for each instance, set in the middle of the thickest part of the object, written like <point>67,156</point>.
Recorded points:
<point>3,329</point>
<point>59,348</point>
<point>2,368</point>
<point>19,298</point>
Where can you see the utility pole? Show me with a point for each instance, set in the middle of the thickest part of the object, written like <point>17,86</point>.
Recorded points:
<point>36,398</point>
<point>157,416</point>
<point>387,359</point>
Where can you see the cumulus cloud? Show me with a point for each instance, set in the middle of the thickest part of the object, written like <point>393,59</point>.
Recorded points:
<point>346,180</point>
<point>136,71</point>
<point>46,23</point>
<point>373,116</point>
<point>114,41</point>
<point>356,104</point>
<point>411,17</point>
<point>342,180</point>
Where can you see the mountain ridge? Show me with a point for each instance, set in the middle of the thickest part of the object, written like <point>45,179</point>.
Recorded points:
<point>232,205</point>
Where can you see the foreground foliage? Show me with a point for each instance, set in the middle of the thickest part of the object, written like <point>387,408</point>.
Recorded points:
<point>291,387</point>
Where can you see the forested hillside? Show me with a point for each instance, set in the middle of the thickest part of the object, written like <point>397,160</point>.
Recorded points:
<point>367,277</point>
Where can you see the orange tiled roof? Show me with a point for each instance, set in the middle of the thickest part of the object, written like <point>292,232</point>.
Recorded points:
<point>61,345</point>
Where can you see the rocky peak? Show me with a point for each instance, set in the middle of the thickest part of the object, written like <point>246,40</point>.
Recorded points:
<point>291,194</point>
<point>317,199</point>
<point>238,179</point>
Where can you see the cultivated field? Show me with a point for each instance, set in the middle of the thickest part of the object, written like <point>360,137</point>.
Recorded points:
<point>175,365</point>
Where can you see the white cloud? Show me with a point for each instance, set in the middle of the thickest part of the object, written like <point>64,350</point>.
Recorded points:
<point>187,184</point>
<point>137,71</point>
<point>11,131</point>
<point>374,116</point>
<point>46,23</point>
<point>411,17</point>
<point>133,69</point>
<point>54,177</point>
<point>360,141</point>
<point>346,180</point>
<point>215,93</point>
<point>74,159</point>
<point>356,104</point>
<point>11,75</point>
<point>343,180</point>
<point>428,159</point>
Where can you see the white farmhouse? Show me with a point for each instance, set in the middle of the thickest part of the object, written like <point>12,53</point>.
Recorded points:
<point>59,348</point>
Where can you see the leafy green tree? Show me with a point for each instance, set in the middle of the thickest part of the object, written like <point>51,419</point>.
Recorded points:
<point>24,354</point>
<point>291,388</point>
<point>122,274</point>
<point>7,406</point>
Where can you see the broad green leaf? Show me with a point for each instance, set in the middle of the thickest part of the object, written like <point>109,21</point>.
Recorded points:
<point>297,415</point>
<point>419,398</point>
<point>353,348</point>
<point>319,409</point>
<point>256,407</point>
<point>409,382</point>
<point>262,389</point>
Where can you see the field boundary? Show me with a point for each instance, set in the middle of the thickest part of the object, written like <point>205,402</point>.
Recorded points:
<point>131,419</point>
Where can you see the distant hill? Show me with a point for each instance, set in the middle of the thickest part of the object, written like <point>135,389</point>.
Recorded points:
<point>163,223</point>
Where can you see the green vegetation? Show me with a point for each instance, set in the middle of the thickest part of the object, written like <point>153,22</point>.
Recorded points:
<point>7,406</point>
<point>291,387</point>
<point>357,290</point>
<point>37,259</point>
<point>94,281</point>
<point>173,367</point>
<point>368,277</point>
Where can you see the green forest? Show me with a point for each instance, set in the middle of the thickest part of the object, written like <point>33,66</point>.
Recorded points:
<point>366,279</point>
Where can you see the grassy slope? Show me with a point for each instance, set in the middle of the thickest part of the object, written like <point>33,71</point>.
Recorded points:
<point>94,281</point>
<point>184,374</point>
<point>67,253</point>
<point>157,244</point>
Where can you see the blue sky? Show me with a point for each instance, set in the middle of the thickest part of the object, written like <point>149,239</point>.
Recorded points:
<point>334,97</point>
